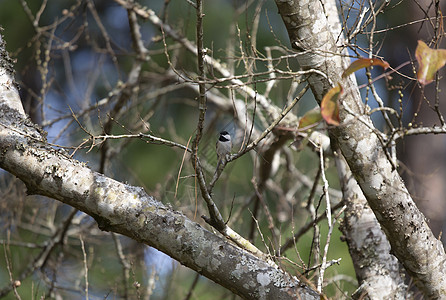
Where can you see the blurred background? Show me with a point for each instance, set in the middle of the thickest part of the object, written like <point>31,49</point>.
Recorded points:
<point>73,58</point>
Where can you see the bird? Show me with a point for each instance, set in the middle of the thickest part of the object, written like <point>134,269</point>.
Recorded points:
<point>223,146</point>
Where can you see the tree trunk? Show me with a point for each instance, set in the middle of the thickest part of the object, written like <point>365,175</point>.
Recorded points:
<point>410,237</point>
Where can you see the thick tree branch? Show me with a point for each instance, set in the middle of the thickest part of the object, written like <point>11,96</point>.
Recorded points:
<point>376,268</point>
<point>128,210</point>
<point>411,239</point>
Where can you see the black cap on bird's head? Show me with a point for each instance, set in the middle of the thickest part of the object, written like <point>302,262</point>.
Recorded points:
<point>224,136</point>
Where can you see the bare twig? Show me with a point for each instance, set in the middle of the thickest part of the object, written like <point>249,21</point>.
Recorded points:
<point>330,225</point>
<point>254,143</point>
<point>124,262</point>
<point>84,254</point>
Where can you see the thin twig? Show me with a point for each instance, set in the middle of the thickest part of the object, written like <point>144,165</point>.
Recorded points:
<point>254,143</point>
<point>125,264</point>
<point>330,225</point>
<point>84,254</point>
<point>304,229</point>
<point>192,287</point>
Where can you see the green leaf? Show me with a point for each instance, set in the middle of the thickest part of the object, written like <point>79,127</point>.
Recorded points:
<point>429,62</point>
<point>310,119</point>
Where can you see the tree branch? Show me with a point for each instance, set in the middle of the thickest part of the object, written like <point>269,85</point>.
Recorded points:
<point>412,241</point>
<point>129,210</point>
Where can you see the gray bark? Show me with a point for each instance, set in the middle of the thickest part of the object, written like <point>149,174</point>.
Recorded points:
<point>410,237</point>
<point>376,269</point>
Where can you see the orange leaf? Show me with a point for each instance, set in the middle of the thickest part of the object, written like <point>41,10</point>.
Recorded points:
<point>364,63</point>
<point>330,106</point>
<point>310,119</point>
<point>429,61</point>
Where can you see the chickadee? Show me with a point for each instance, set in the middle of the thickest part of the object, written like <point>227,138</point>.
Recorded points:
<point>224,145</point>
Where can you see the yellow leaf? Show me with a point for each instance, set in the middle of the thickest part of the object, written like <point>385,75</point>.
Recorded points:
<point>429,62</point>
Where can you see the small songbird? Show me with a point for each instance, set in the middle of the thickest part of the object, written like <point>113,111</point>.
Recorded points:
<point>224,145</point>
